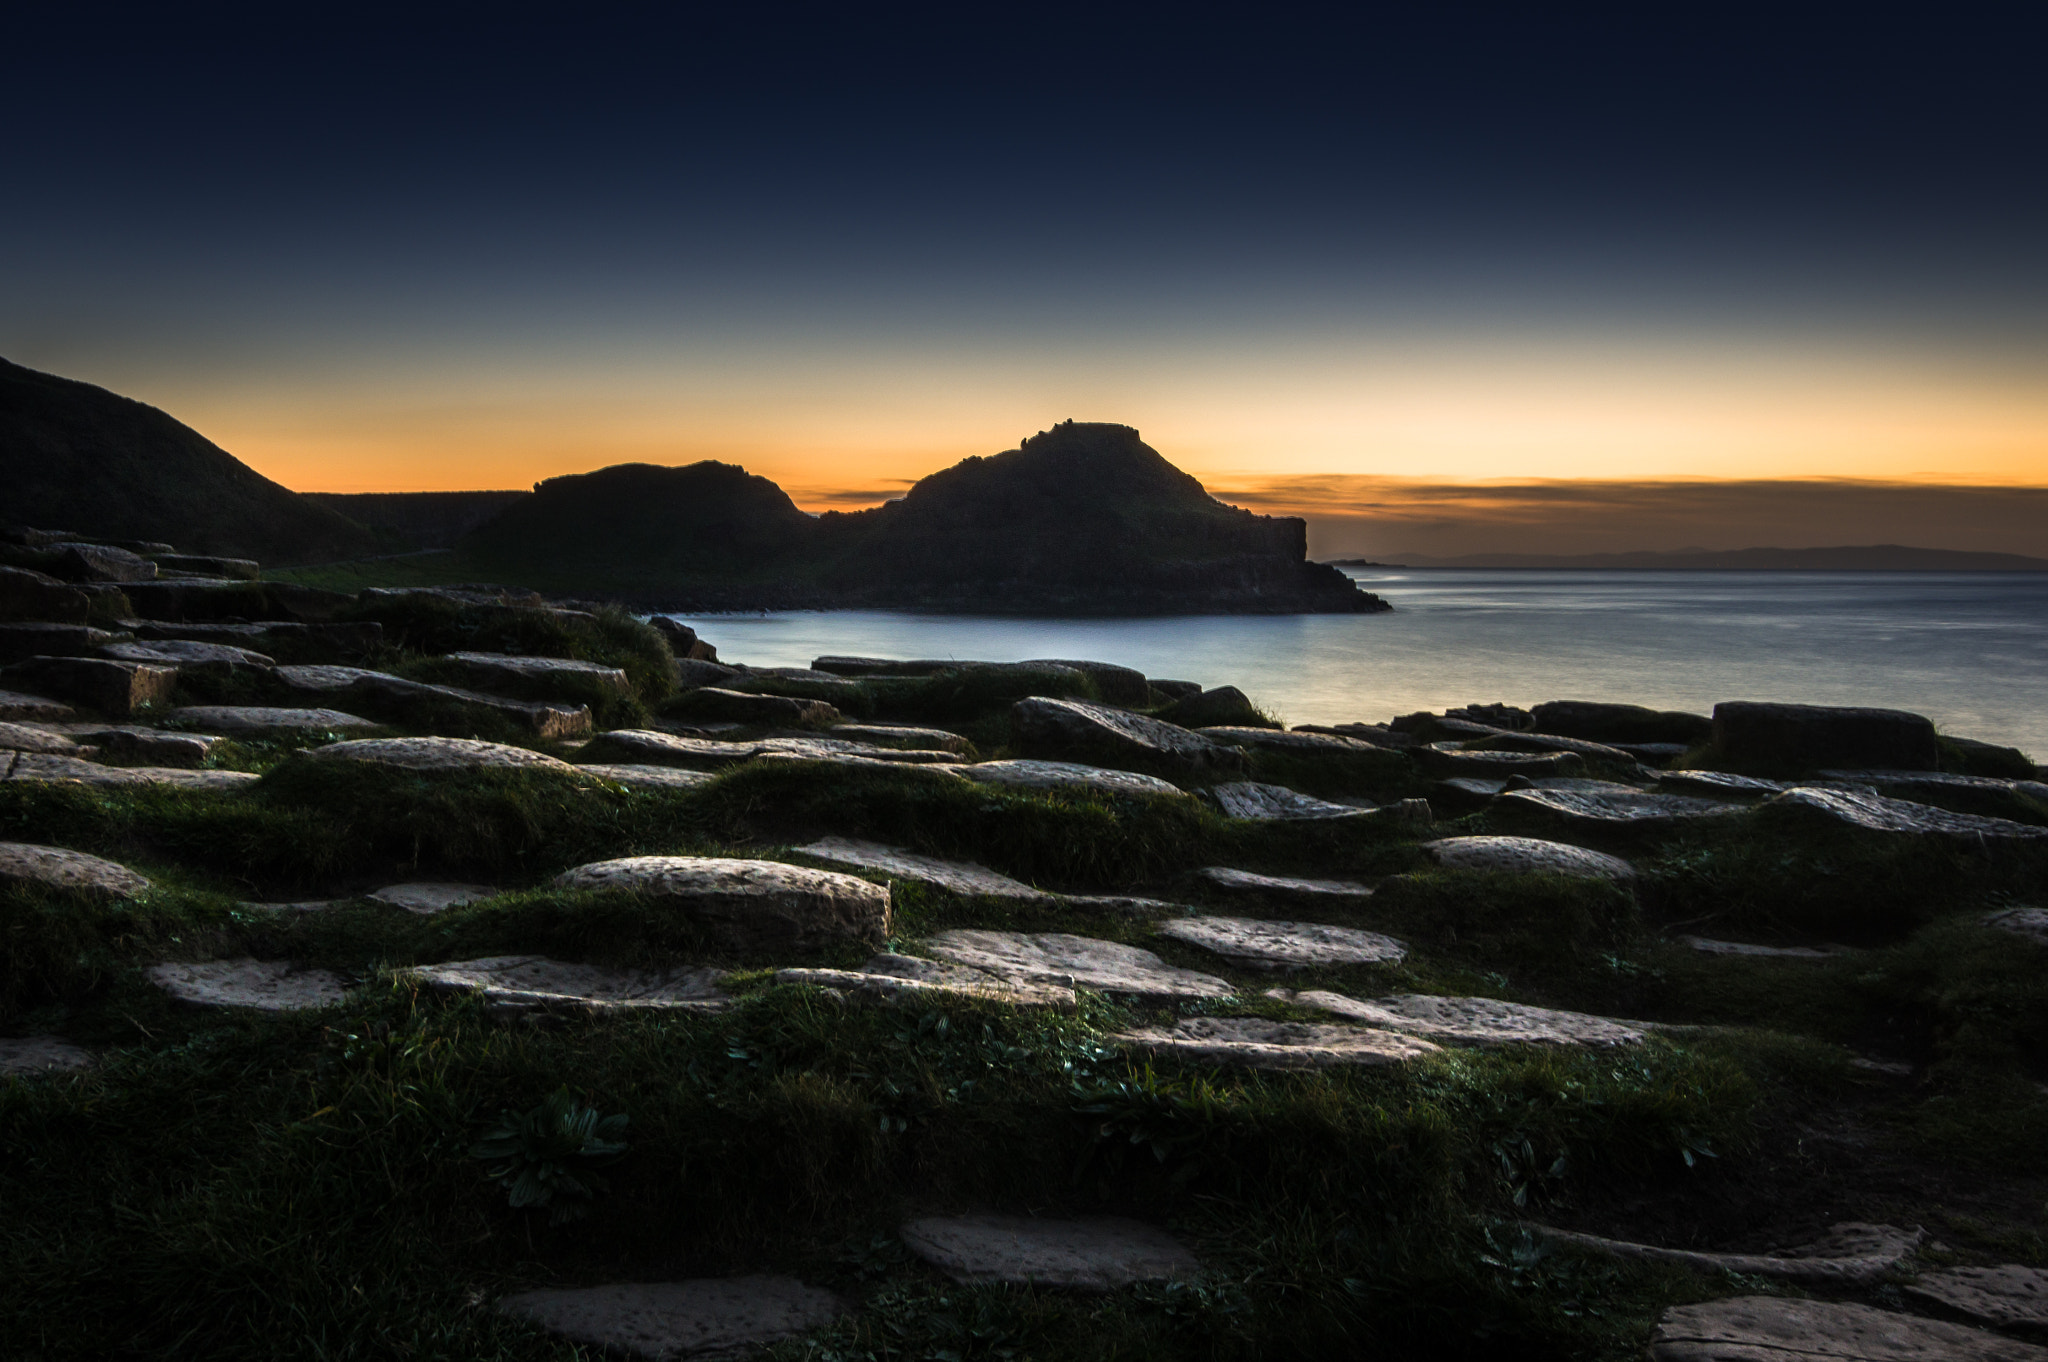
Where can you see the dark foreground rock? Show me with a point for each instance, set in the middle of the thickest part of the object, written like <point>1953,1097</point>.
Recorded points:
<point>1799,738</point>
<point>749,905</point>
<point>1099,1253</point>
<point>1074,730</point>
<point>711,1317</point>
<point>1770,1328</point>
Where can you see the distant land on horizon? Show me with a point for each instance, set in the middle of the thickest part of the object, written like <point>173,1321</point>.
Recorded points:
<point>1855,558</point>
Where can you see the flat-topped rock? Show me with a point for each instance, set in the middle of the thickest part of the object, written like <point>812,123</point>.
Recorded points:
<point>1614,724</point>
<point>1505,740</point>
<point>22,640</point>
<point>1877,813</point>
<point>1301,742</point>
<point>287,640</point>
<point>101,683</point>
<point>1055,957</point>
<point>1255,1043</point>
<point>522,982</point>
<point>56,868</point>
<point>1920,782</point>
<point>1851,1254</point>
<point>829,749</point>
<point>377,691</point>
<point>749,904</point>
<point>1770,1328</point>
<point>1532,764</point>
<point>1265,944</point>
<point>1709,946</point>
<point>1469,1021</point>
<point>1718,784</point>
<point>427,897</point>
<point>947,770</point>
<point>2031,922</point>
<point>188,653</point>
<point>715,702</point>
<point>1079,731</point>
<point>487,669</point>
<point>959,877</point>
<point>708,1317</point>
<point>1809,737</point>
<point>659,779</point>
<point>914,980</point>
<point>903,735</point>
<point>26,594</point>
<point>1118,685</point>
<point>1097,1253</point>
<point>1283,886</point>
<point>2008,1295</point>
<point>23,738</point>
<point>53,767</point>
<point>1618,810</point>
<point>15,707</point>
<point>1526,856</point>
<point>1249,799</point>
<point>1066,775</point>
<point>82,562</point>
<point>147,746</point>
<point>440,754</point>
<point>651,747</point>
<point>23,1056</point>
<point>247,719</point>
<point>264,985</point>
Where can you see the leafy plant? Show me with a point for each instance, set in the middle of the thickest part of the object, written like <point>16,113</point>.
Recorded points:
<point>548,1156</point>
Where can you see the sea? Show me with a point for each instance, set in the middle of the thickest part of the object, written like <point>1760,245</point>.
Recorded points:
<point>1967,649</point>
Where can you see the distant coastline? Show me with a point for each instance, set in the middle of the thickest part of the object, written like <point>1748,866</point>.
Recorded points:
<point>1857,558</point>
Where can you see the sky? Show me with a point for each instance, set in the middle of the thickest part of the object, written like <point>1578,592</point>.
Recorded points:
<point>1442,279</point>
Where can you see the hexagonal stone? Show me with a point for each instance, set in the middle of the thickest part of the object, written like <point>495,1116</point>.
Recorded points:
<point>1068,729</point>
<point>1097,1253</point>
<point>1255,1043</point>
<point>242,719</point>
<point>959,877</point>
<point>1526,856</point>
<point>708,1317</point>
<point>23,1056</point>
<point>1067,775</point>
<point>1619,810</point>
<point>1056,957</point>
<point>2031,922</point>
<point>653,778</point>
<point>909,979</point>
<point>1282,886</point>
<point>2007,1295</point>
<point>428,897</point>
<point>524,982</point>
<point>1249,799</point>
<point>1876,813</point>
<point>26,863</point>
<point>749,904</point>
<point>1284,945</point>
<point>265,985</point>
<point>1770,1328</point>
<point>440,754</point>
<point>49,766</point>
<point>1469,1021</point>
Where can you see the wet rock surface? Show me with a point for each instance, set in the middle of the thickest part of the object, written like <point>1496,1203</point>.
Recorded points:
<point>1617,810</point>
<point>1248,799</point>
<point>1876,813</point>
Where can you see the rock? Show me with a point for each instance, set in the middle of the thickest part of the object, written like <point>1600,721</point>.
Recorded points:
<point>56,767</point>
<point>1531,764</point>
<point>1099,1253</point>
<point>1612,724</point>
<point>749,904</point>
<point>1294,741</point>
<point>1808,737</point>
<point>265,985</point>
<point>1263,944</point>
<point>1117,685</point>
<point>324,677</point>
<point>149,746</point>
<point>20,641</point>
<point>440,754</point>
<point>1654,753</point>
<point>1064,775</point>
<point>21,738</point>
<point>200,565</point>
<point>427,898</point>
<point>381,691</point>
<point>657,779</point>
<point>683,640</point>
<point>186,653</point>
<point>1077,730</point>
<point>959,877</point>
<point>904,735</point>
<point>27,1055</point>
<point>1783,1329</point>
<point>1718,784</point>
<point>2031,922</point>
<point>1526,856</point>
<point>1055,957</point>
<point>650,747</point>
<point>181,599</point>
<point>1709,946</point>
<point>1546,742</point>
<point>707,1317</point>
<point>1255,1043</point>
<point>1618,810</point>
<point>691,674</point>
<point>1849,1254</point>
<point>16,707</point>
<point>911,980</point>
<point>252,719</point>
<point>55,868</point>
<point>1575,784</point>
<point>100,563</point>
<point>1249,799</point>
<point>30,595</point>
<point>1508,718</point>
<point>827,749</point>
<point>528,982</point>
<point>1283,887</point>
<point>1372,735</point>
<point>1173,690</point>
<point>2008,1295</point>
<point>100,683</point>
<point>1221,707</point>
<point>713,702</point>
<point>948,771</point>
<point>1875,813</point>
<point>287,640</point>
<point>539,673</point>
<point>1470,1021</point>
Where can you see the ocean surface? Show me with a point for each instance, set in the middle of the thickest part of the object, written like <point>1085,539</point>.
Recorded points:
<point>1967,649</point>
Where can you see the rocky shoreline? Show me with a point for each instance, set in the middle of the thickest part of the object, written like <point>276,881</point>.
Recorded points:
<point>462,965</point>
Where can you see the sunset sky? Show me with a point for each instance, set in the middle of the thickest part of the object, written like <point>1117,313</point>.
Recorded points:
<point>1441,281</point>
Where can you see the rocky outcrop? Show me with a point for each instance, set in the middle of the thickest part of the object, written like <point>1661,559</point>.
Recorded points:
<point>1053,957</point>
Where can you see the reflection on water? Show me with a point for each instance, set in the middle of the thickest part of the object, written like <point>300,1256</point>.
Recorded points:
<point>1968,649</point>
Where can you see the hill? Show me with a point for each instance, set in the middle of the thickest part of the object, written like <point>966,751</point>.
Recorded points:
<point>1857,558</point>
<point>77,457</point>
<point>418,520</point>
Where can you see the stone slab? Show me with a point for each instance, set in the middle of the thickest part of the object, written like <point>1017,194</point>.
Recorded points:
<point>1526,856</point>
<point>911,979</point>
<point>749,904</point>
<point>484,669</point>
<point>1782,1329</point>
<point>1069,729</point>
<point>148,746</point>
<point>440,754</point>
<point>653,778</point>
<point>23,1056</point>
<point>1098,1253</point>
<point>1294,741</point>
<point>714,702</point>
<point>16,706</point>
<point>249,719</point>
<point>1250,799</point>
<point>1619,810</point>
<point>42,766</point>
<point>427,897</point>
<point>1055,957</point>
<point>264,985</point>
<point>1470,1021</point>
<point>1876,813</point>
<point>1812,736</point>
<point>1849,1254</point>
<point>2032,922</point>
<point>190,654</point>
<point>647,746</point>
<point>525,982</point>
<point>1710,946</point>
<point>707,1317</point>
<point>1067,775</point>
<point>1719,784</point>
<point>24,738</point>
<point>1265,944</point>
<point>101,683</point>
<point>1255,1043</point>
<point>1283,886</point>
<point>959,877</point>
<point>56,868</point>
<point>1462,763</point>
<point>903,735</point>
<point>2008,1295</point>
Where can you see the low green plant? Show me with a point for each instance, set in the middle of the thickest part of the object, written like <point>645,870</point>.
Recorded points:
<point>547,1158</point>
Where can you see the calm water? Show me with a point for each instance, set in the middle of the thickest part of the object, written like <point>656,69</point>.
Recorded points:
<point>1970,650</point>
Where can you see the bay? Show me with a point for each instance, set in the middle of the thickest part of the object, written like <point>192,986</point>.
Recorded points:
<point>1967,649</point>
